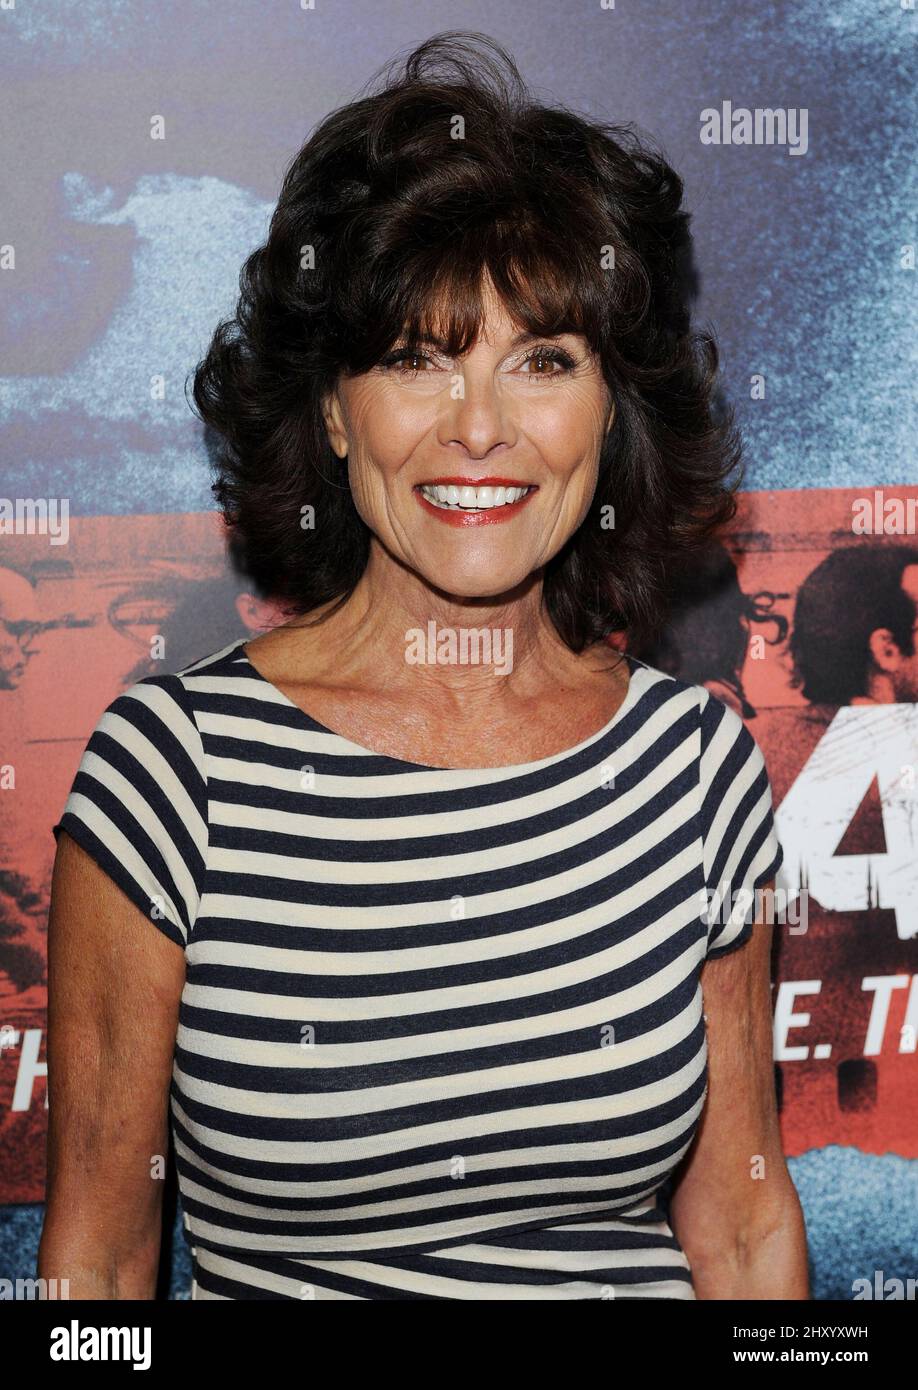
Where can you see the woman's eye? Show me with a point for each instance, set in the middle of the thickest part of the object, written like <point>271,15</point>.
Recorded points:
<point>405,358</point>
<point>551,362</point>
<point>551,358</point>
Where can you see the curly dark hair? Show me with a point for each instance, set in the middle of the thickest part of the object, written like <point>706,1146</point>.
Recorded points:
<point>852,592</point>
<point>388,219</point>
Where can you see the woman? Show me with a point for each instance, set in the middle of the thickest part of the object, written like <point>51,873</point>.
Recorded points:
<point>435,870</point>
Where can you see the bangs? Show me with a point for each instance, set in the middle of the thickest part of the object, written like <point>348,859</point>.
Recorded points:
<point>440,294</point>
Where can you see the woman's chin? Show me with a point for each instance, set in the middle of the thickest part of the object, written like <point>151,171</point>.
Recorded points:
<point>462,583</point>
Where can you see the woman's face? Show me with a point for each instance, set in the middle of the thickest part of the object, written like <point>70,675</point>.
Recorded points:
<point>424,434</point>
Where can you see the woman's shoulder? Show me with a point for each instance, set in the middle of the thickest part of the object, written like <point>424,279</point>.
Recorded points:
<point>669,689</point>
<point>139,800</point>
<point>157,714</point>
<point>212,662</point>
<point>184,684</point>
<point>718,723</point>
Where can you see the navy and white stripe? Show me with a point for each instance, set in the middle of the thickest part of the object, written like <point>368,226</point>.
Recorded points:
<point>442,1030</point>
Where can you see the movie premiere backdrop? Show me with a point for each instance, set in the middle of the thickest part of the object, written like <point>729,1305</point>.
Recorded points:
<point>142,150</point>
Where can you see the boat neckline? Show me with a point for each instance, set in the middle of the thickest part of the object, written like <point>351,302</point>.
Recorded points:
<point>635,672</point>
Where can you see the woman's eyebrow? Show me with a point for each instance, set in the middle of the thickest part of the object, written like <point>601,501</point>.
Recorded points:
<point>518,341</point>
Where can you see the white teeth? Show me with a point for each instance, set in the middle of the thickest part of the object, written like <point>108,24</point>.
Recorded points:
<point>480,499</point>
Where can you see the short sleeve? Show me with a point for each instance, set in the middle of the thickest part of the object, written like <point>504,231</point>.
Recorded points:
<point>741,847</point>
<point>138,803</point>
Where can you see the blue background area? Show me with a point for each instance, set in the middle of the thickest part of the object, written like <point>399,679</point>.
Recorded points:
<point>128,252</point>
<point>128,249</point>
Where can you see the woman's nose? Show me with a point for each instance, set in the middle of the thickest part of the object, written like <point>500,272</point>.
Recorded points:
<point>475,415</point>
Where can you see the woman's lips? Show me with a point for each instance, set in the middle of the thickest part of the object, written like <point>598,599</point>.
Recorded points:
<point>449,508</point>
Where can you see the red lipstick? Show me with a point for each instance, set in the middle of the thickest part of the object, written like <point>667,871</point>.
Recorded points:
<point>456,481</point>
<point>490,517</point>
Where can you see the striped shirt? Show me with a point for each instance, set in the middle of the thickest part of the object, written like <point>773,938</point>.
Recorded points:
<point>442,1031</point>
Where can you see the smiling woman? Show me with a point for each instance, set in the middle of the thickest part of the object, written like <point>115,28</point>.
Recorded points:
<point>459,282</point>
<point>484,407</point>
<point>435,978</point>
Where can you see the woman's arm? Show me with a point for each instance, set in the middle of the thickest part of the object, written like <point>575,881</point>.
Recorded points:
<point>734,1208</point>
<point>114,986</point>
